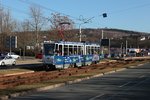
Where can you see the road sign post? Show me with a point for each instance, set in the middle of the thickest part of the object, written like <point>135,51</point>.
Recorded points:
<point>11,42</point>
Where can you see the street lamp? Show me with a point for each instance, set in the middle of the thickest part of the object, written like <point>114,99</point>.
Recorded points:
<point>80,32</point>
<point>121,50</point>
<point>84,22</point>
<point>126,47</point>
<point>104,16</point>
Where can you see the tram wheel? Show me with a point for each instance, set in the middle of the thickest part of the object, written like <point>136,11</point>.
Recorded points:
<point>75,65</point>
<point>50,67</point>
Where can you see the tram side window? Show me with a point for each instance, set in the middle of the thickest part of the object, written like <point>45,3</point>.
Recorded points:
<point>58,49</point>
<point>79,50</point>
<point>92,50</point>
<point>70,50</point>
<point>66,50</point>
<point>75,50</point>
<point>88,50</point>
<point>82,50</point>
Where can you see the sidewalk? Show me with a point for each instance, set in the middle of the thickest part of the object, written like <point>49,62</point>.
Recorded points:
<point>137,58</point>
<point>29,61</point>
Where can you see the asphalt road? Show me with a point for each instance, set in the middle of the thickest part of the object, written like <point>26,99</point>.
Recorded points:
<point>130,84</point>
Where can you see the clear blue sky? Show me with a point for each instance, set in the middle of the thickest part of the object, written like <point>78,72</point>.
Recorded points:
<point>123,14</point>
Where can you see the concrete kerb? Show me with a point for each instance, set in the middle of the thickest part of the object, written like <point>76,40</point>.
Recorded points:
<point>110,72</point>
<point>6,97</point>
<point>121,69</point>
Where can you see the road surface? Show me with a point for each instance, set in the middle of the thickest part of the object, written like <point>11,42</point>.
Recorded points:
<point>129,84</point>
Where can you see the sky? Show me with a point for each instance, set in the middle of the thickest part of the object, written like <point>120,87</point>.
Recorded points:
<point>121,14</point>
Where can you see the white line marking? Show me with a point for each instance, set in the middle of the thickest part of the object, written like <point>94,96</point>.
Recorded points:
<point>142,76</point>
<point>124,84</point>
<point>96,97</point>
<point>140,64</point>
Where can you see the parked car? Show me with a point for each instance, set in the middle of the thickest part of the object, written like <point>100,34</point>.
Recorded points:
<point>7,60</point>
<point>13,55</point>
<point>39,56</point>
<point>132,54</point>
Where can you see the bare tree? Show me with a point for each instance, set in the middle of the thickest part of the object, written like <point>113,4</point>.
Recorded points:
<point>25,36</point>
<point>60,24</point>
<point>7,25</point>
<point>57,19</point>
<point>37,21</point>
<point>1,19</point>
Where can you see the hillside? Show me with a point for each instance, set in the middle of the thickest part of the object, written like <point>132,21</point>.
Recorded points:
<point>117,37</point>
<point>96,34</point>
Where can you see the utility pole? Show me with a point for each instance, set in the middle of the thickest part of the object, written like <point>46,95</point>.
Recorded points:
<point>80,32</point>
<point>126,47</point>
<point>109,49</point>
<point>104,16</point>
<point>84,22</point>
<point>101,39</point>
<point>10,44</point>
<point>121,50</point>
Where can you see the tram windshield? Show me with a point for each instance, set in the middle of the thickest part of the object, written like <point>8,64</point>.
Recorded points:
<point>49,49</point>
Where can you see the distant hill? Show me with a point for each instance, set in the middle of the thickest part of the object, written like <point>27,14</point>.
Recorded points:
<point>96,34</point>
<point>117,36</point>
<point>115,32</point>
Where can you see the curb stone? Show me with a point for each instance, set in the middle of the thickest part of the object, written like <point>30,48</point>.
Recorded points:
<point>132,66</point>
<point>121,69</point>
<point>140,64</point>
<point>110,72</point>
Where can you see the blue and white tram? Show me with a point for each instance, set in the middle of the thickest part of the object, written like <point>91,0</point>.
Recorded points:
<point>69,54</point>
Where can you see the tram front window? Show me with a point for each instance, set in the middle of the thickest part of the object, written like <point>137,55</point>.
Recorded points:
<point>49,49</point>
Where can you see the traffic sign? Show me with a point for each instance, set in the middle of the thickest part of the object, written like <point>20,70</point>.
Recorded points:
<point>11,42</point>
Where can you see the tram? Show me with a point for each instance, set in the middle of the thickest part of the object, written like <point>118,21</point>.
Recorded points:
<point>63,54</point>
